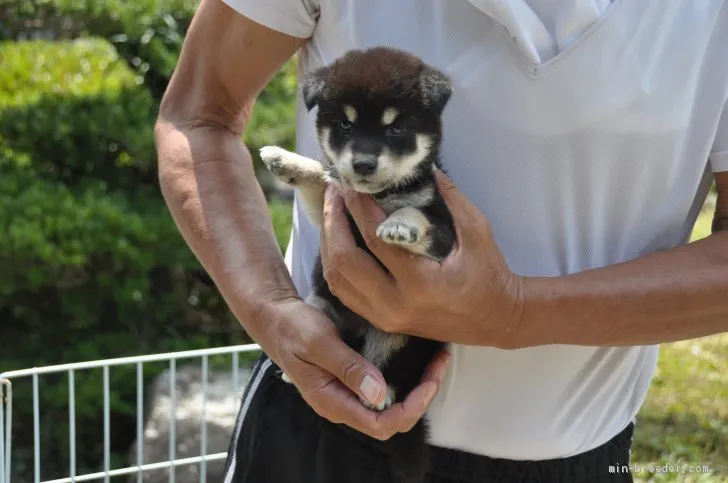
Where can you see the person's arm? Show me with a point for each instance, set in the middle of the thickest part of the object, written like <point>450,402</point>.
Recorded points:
<point>205,170</point>
<point>473,298</point>
<point>675,294</point>
<point>208,182</point>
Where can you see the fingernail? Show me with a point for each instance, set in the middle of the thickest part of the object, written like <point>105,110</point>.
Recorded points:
<point>370,389</point>
<point>443,368</point>
<point>429,395</point>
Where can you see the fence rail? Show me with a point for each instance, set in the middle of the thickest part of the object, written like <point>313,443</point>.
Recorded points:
<point>6,414</point>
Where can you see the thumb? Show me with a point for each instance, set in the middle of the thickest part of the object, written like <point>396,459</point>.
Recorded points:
<point>468,220</point>
<point>452,195</point>
<point>353,370</point>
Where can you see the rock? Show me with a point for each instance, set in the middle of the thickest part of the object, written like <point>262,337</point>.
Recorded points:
<point>222,405</point>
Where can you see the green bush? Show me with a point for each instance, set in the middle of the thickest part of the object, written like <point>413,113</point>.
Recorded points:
<point>79,110</point>
<point>147,33</point>
<point>92,265</point>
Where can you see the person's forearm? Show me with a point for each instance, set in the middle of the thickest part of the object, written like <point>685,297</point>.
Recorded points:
<point>208,182</point>
<point>676,294</point>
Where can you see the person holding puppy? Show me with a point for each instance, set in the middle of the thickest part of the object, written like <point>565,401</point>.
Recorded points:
<point>580,142</point>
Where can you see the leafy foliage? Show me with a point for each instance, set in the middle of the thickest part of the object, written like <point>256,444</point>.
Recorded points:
<point>148,34</point>
<point>79,110</point>
<point>92,264</point>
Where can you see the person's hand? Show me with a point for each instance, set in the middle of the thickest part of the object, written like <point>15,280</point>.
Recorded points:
<point>330,375</point>
<point>471,297</point>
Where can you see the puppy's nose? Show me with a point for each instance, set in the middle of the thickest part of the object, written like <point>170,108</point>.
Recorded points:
<point>364,165</point>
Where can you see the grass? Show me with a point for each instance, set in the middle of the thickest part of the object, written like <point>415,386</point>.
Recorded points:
<point>685,418</point>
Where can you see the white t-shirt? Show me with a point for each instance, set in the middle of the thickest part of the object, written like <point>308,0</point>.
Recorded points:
<point>586,132</point>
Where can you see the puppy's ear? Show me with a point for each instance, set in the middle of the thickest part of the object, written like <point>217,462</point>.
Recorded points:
<point>312,88</point>
<point>436,89</point>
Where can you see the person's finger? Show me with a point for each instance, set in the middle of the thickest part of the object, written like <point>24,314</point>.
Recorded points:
<point>401,417</point>
<point>342,259</point>
<point>351,368</point>
<point>435,370</point>
<point>354,298</point>
<point>466,216</point>
<point>450,193</point>
<point>334,401</point>
<point>367,304</point>
<point>334,219</point>
<point>351,412</point>
<point>368,216</point>
<point>337,405</point>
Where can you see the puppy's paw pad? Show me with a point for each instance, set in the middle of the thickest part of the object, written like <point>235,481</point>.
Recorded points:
<point>272,156</point>
<point>278,162</point>
<point>399,231</point>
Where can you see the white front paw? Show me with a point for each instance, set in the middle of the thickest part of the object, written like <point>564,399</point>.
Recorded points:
<point>276,159</point>
<point>399,231</point>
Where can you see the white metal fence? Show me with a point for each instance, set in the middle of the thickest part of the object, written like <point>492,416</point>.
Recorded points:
<point>6,414</point>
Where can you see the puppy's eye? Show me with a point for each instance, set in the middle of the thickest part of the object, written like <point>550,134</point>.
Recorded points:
<point>394,131</point>
<point>344,126</point>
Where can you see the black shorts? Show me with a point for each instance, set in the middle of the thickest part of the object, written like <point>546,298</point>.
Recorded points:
<point>278,438</point>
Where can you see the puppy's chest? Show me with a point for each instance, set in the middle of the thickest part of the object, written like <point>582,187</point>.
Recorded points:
<point>415,199</point>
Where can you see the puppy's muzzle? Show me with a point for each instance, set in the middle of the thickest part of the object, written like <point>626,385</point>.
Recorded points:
<point>364,164</point>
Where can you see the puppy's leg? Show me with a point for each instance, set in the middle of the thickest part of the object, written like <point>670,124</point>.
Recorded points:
<point>379,347</point>
<point>408,228</point>
<point>305,174</point>
<point>291,168</point>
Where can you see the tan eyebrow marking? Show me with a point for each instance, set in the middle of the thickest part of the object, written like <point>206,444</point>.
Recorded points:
<point>350,113</point>
<point>389,115</point>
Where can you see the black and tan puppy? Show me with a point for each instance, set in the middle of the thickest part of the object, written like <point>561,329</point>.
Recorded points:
<point>379,127</point>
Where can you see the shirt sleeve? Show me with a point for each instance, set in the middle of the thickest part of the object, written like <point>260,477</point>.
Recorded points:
<point>293,17</point>
<point>719,153</point>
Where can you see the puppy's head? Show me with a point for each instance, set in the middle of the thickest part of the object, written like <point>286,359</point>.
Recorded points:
<point>379,116</point>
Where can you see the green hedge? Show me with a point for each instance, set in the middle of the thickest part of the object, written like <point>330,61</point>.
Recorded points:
<point>92,265</point>
<point>79,110</point>
<point>147,33</point>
